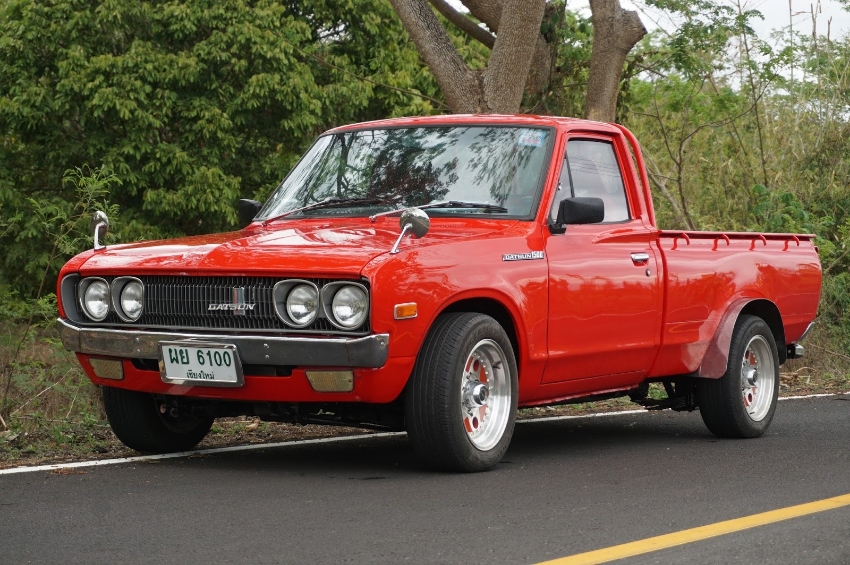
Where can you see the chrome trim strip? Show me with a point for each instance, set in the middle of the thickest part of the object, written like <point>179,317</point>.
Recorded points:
<point>805,333</point>
<point>368,352</point>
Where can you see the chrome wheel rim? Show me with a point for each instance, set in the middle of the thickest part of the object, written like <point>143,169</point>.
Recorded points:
<point>758,378</point>
<point>485,394</point>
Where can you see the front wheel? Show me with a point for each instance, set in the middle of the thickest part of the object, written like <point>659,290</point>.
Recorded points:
<point>742,402</point>
<point>146,424</point>
<point>461,402</point>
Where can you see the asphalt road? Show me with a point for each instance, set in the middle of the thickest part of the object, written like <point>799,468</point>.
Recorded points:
<point>565,487</point>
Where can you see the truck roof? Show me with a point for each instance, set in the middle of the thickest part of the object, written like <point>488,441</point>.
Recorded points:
<point>482,119</point>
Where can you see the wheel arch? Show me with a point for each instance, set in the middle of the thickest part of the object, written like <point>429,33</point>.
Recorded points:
<point>768,311</point>
<point>496,310</point>
<point>716,358</point>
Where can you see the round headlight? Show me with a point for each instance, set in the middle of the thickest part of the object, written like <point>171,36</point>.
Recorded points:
<point>302,305</point>
<point>132,300</point>
<point>96,300</point>
<point>350,306</point>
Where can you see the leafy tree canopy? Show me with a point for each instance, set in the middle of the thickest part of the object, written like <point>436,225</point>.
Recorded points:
<point>192,104</point>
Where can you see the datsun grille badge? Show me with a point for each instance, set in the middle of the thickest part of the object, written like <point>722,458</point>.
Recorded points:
<point>531,255</point>
<point>239,307</point>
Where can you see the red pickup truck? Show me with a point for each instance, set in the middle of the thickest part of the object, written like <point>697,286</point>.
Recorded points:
<point>433,275</point>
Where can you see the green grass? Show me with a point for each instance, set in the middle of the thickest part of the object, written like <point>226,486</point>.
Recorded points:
<point>48,404</point>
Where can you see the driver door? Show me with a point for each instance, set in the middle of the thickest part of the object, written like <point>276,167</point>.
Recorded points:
<point>604,279</point>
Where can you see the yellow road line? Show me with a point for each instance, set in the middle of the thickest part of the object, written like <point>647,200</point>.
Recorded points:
<point>703,532</point>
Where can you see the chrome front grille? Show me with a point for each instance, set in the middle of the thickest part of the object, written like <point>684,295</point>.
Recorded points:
<point>178,302</point>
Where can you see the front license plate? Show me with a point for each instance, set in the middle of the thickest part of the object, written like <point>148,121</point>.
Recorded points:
<point>206,364</point>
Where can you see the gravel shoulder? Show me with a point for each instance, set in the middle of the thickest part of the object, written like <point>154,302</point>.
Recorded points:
<point>94,440</point>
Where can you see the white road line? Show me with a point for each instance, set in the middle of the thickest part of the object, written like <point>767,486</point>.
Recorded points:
<point>196,453</point>
<point>256,446</point>
<point>813,396</point>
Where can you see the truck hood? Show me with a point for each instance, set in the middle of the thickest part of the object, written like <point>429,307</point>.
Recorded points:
<point>308,248</point>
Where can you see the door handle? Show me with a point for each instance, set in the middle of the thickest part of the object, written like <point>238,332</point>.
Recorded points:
<point>640,258</point>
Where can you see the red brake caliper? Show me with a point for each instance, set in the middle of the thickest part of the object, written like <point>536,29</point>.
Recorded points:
<point>482,377</point>
<point>752,361</point>
<point>470,422</point>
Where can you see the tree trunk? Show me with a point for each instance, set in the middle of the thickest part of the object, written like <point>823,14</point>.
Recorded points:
<point>510,61</point>
<point>615,33</point>
<point>499,89</point>
<point>460,85</point>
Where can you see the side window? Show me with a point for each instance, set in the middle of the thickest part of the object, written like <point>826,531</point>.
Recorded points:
<point>591,169</point>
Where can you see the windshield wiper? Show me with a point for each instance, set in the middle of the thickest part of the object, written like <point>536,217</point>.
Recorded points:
<point>448,204</point>
<point>464,204</point>
<point>330,203</point>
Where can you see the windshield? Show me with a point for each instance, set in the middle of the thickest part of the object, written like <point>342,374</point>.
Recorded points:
<point>369,171</point>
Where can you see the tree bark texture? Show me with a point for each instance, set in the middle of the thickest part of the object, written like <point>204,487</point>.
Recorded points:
<point>510,61</point>
<point>460,85</point>
<point>500,88</point>
<point>489,12</point>
<point>464,24</point>
<point>615,32</point>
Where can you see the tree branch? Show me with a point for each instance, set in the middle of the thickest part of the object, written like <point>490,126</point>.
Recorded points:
<point>615,32</point>
<point>464,24</point>
<point>458,83</point>
<point>660,182</point>
<point>488,12</point>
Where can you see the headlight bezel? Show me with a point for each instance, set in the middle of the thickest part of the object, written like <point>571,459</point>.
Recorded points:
<point>118,287</point>
<point>82,293</point>
<point>281,294</point>
<point>331,291</point>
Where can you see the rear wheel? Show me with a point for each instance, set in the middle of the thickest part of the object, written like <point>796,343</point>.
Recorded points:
<point>462,399</point>
<point>742,402</point>
<point>145,423</point>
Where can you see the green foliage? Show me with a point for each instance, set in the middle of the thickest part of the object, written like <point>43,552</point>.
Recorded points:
<point>745,135</point>
<point>193,104</point>
<point>59,227</point>
<point>52,228</point>
<point>43,388</point>
<point>571,34</point>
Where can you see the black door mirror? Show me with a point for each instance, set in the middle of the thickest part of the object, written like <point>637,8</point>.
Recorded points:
<point>247,211</point>
<point>578,210</point>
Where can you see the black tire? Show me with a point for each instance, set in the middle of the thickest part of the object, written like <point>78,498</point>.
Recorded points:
<point>136,420</point>
<point>464,356</point>
<point>741,403</point>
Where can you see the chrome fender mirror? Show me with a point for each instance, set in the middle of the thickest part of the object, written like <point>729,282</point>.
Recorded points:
<point>412,220</point>
<point>100,226</point>
<point>417,219</point>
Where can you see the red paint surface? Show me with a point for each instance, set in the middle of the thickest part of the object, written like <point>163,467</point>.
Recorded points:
<point>587,319</point>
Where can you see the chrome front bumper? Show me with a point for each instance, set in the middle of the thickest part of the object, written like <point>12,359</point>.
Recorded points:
<point>366,352</point>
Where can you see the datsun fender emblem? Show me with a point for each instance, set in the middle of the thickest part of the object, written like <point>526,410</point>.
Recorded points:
<point>531,255</point>
<point>239,307</point>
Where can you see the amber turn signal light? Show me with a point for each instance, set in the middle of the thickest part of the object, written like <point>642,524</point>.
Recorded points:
<point>405,311</point>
